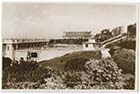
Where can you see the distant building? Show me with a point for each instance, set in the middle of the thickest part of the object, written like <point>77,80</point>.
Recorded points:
<point>91,45</point>
<point>131,30</point>
<point>10,46</point>
<point>77,35</point>
<point>118,30</point>
<point>104,35</point>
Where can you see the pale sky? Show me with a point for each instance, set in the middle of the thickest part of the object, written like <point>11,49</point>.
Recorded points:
<point>42,20</point>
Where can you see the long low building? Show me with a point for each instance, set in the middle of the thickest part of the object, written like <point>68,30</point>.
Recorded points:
<point>77,35</point>
<point>9,46</point>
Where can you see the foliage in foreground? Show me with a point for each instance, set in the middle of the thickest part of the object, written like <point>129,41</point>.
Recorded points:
<point>24,71</point>
<point>125,59</point>
<point>98,74</point>
<point>95,74</point>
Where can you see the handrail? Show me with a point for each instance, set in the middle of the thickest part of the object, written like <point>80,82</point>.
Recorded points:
<point>112,38</point>
<point>123,37</point>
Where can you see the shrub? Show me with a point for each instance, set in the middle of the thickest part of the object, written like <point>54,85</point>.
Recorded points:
<point>6,62</point>
<point>76,64</point>
<point>128,44</point>
<point>130,84</point>
<point>98,74</point>
<point>125,60</point>
<point>26,72</point>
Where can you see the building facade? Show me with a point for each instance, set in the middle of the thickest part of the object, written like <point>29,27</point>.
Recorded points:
<point>77,35</point>
<point>107,33</point>
<point>103,35</point>
<point>90,45</point>
<point>131,30</point>
<point>11,46</point>
<point>118,30</point>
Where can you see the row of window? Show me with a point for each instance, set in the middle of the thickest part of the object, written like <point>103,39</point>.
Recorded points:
<point>87,45</point>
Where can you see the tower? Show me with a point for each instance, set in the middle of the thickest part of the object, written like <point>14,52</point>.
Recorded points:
<point>9,49</point>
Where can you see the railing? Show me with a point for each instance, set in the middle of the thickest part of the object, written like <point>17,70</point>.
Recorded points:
<point>110,39</point>
<point>13,41</point>
<point>113,40</point>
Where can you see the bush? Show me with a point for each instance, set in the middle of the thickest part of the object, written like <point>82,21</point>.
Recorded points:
<point>130,84</point>
<point>128,44</point>
<point>98,74</point>
<point>81,73</point>
<point>125,60</point>
<point>6,62</point>
<point>76,64</point>
<point>26,72</point>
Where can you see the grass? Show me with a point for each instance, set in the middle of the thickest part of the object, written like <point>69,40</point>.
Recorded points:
<point>59,62</point>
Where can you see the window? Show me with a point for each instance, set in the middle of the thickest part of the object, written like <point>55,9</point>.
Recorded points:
<point>7,47</point>
<point>86,45</point>
<point>34,54</point>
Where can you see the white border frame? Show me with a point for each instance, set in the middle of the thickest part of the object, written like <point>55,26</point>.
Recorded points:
<point>79,91</point>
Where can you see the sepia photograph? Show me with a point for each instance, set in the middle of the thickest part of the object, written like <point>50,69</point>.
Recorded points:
<point>69,46</point>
